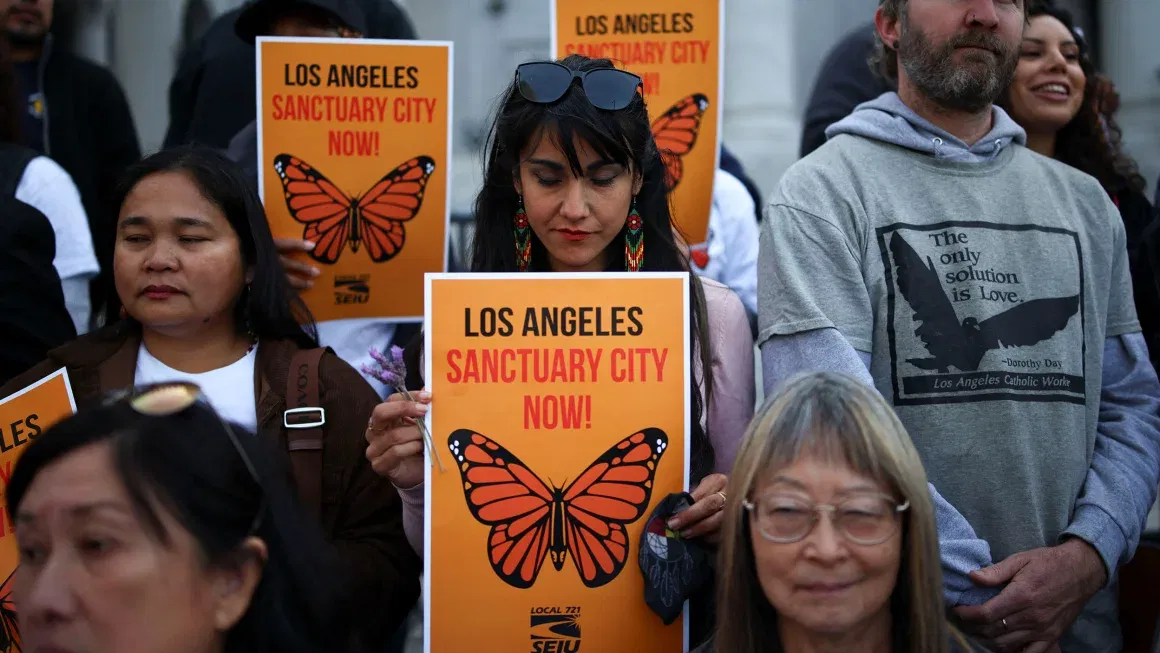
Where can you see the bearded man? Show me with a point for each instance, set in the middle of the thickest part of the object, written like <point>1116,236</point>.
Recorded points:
<point>984,290</point>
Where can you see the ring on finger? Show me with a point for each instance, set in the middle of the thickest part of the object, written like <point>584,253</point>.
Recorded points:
<point>1004,622</point>
<point>724,501</point>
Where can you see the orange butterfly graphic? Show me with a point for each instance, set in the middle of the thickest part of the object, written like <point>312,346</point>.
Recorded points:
<point>333,219</point>
<point>676,132</point>
<point>530,519</point>
<point>9,629</point>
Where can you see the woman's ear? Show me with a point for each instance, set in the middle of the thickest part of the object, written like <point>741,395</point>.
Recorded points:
<point>249,275</point>
<point>637,182</point>
<point>517,182</point>
<point>235,584</point>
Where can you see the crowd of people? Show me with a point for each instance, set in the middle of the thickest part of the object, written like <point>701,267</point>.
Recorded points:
<point>954,293</point>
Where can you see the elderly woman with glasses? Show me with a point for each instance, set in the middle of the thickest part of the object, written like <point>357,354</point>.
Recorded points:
<point>831,544</point>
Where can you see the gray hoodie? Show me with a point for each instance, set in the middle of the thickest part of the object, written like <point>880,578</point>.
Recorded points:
<point>887,119</point>
<point>986,289</point>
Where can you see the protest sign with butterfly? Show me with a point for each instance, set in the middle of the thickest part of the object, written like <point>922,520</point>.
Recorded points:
<point>562,406</point>
<point>676,47</point>
<point>354,156</point>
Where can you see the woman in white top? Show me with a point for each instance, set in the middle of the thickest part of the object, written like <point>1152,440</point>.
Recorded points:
<point>203,299</point>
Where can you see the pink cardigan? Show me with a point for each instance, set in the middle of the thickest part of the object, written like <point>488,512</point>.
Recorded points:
<point>732,406</point>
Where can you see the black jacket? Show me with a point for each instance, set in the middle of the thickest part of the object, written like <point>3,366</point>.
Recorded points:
<point>33,318</point>
<point>92,136</point>
<point>216,73</point>
<point>1142,226</point>
<point>844,81</point>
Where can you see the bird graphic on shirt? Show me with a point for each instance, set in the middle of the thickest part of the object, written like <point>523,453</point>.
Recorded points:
<point>963,345</point>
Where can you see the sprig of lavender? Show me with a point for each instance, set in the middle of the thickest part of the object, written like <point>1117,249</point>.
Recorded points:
<point>391,371</point>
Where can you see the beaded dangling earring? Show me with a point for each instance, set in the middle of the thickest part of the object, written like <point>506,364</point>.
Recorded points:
<point>523,238</point>
<point>634,241</point>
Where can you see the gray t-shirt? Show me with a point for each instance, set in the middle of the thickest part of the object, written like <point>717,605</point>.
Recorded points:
<point>983,292</point>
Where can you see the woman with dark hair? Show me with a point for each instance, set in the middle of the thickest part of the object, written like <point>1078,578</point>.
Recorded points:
<point>149,524</point>
<point>574,182</point>
<point>1061,102</point>
<point>203,299</point>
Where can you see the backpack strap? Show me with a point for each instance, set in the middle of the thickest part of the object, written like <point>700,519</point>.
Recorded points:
<point>304,419</point>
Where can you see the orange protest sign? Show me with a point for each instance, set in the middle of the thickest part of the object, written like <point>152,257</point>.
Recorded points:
<point>24,416</point>
<point>560,412</point>
<point>354,154</point>
<point>676,47</point>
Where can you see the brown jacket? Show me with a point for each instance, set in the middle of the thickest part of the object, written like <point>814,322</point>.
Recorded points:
<point>361,512</point>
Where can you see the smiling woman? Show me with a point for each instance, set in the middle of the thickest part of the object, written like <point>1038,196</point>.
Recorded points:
<point>1061,102</point>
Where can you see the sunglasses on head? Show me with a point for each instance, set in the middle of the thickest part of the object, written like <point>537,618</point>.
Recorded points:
<point>169,399</point>
<point>544,82</point>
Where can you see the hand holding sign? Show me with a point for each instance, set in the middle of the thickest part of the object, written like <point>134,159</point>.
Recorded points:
<point>376,117</point>
<point>299,274</point>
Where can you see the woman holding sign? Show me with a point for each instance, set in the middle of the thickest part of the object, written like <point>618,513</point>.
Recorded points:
<point>203,300</point>
<point>574,182</point>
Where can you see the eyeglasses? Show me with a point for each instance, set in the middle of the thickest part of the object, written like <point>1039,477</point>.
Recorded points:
<point>865,519</point>
<point>544,82</point>
<point>168,399</point>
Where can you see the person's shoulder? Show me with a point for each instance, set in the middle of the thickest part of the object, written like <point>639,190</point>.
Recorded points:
<point>82,68</point>
<point>1059,171</point>
<point>727,184</point>
<point>839,156</point>
<point>43,171</point>
<point>83,354</point>
<point>340,376</point>
<point>717,294</point>
<point>337,380</point>
<point>824,182</point>
<point>721,303</point>
<point>1079,190</point>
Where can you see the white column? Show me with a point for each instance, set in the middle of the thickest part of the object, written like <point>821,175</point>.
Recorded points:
<point>92,36</point>
<point>144,57</point>
<point>761,122</point>
<point>773,49</point>
<point>488,46</point>
<point>1131,57</point>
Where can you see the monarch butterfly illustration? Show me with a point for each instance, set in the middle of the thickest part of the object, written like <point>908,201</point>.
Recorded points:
<point>9,631</point>
<point>676,132</point>
<point>530,519</point>
<point>333,218</point>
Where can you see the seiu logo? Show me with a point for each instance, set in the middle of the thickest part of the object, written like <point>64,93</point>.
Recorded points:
<point>557,646</point>
<point>352,289</point>
<point>555,633</point>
